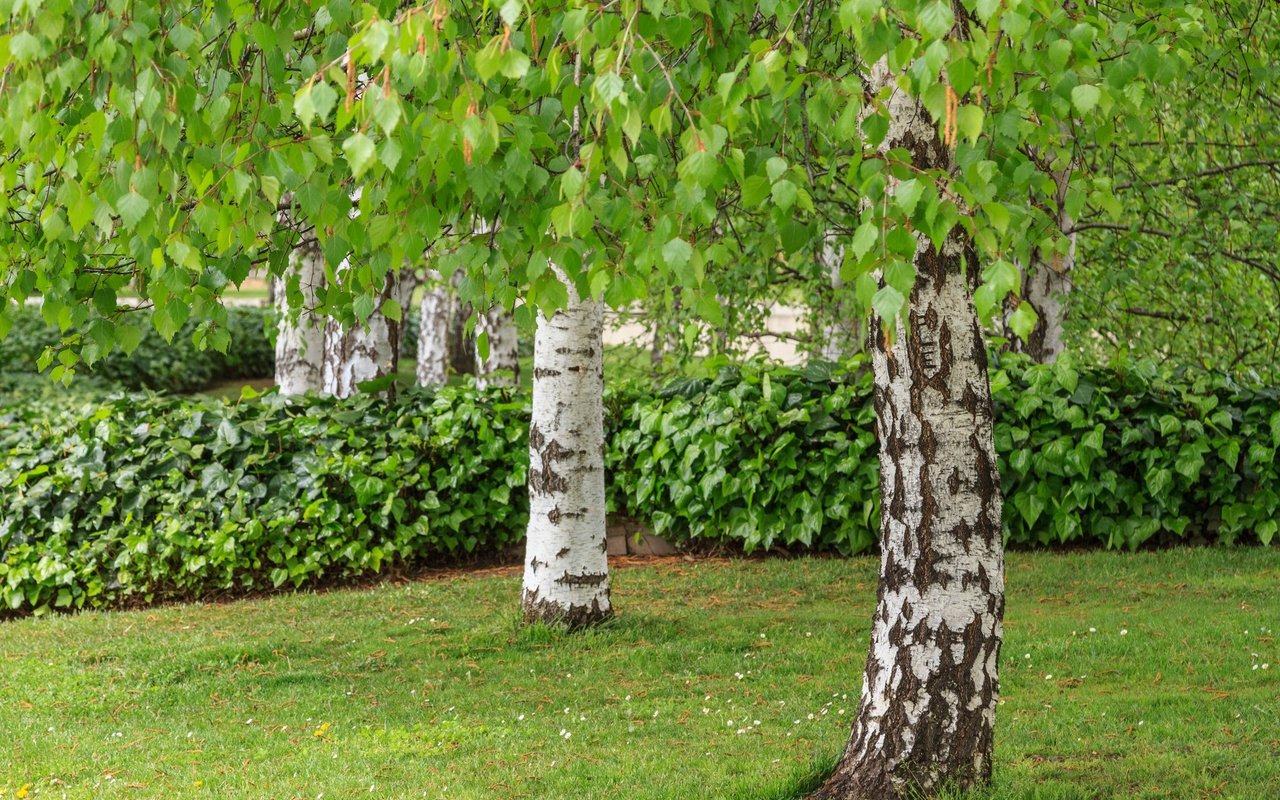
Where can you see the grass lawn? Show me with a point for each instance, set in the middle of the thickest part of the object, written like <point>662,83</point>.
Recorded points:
<point>1125,676</point>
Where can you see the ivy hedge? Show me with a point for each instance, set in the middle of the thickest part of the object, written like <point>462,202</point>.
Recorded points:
<point>118,499</point>
<point>179,366</point>
<point>1087,456</point>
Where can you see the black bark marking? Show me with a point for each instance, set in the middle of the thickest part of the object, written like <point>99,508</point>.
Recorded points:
<point>585,579</point>
<point>547,480</point>
<point>573,617</point>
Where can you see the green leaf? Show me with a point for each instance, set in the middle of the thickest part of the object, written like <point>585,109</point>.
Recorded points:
<point>1084,97</point>
<point>677,253</point>
<point>784,194</point>
<point>887,302</point>
<point>999,216</point>
<point>132,207</point>
<point>936,19</point>
<point>359,151</point>
<point>969,122</point>
<point>24,46</point>
<point>864,238</point>
<point>1023,320</point>
<point>755,189</point>
<point>323,98</point>
<point>907,194</point>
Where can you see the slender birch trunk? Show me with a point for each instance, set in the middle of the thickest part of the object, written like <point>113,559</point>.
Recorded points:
<point>434,317</point>
<point>502,367</point>
<point>930,688</point>
<point>462,346</point>
<point>300,342</point>
<point>566,573</point>
<point>1046,287</point>
<point>839,335</point>
<point>368,352</point>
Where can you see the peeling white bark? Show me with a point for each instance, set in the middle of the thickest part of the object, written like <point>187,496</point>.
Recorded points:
<point>434,317</point>
<point>502,367</point>
<point>930,687</point>
<point>300,342</point>
<point>566,575</point>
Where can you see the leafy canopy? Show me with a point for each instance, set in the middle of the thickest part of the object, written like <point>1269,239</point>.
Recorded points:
<point>150,148</point>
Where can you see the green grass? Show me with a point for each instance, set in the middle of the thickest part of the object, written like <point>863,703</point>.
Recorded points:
<point>717,680</point>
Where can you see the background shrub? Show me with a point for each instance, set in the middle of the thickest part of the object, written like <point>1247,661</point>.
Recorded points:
<point>178,367</point>
<point>110,499</point>
<point>147,497</point>
<point>1087,456</point>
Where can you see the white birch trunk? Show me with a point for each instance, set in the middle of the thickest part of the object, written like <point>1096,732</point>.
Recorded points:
<point>462,346</point>
<point>566,574</point>
<point>930,687</point>
<point>368,352</point>
<point>300,342</point>
<point>840,339</point>
<point>502,367</point>
<point>1046,287</point>
<point>434,317</point>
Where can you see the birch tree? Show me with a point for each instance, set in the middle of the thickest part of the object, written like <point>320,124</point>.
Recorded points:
<point>435,315</point>
<point>616,141</point>
<point>367,352</point>
<point>927,711</point>
<point>497,348</point>
<point>300,333</point>
<point>566,573</point>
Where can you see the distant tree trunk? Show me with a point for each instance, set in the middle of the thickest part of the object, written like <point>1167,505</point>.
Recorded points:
<point>1046,286</point>
<point>434,317</point>
<point>462,346</point>
<point>300,342</point>
<point>566,574</point>
<point>363,353</point>
<point>502,367</point>
<point>930,687</point>
<point>839,336</point>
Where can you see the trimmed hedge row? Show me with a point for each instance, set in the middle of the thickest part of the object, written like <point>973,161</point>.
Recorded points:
<point>178,366</point>
<point>138,498</point>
